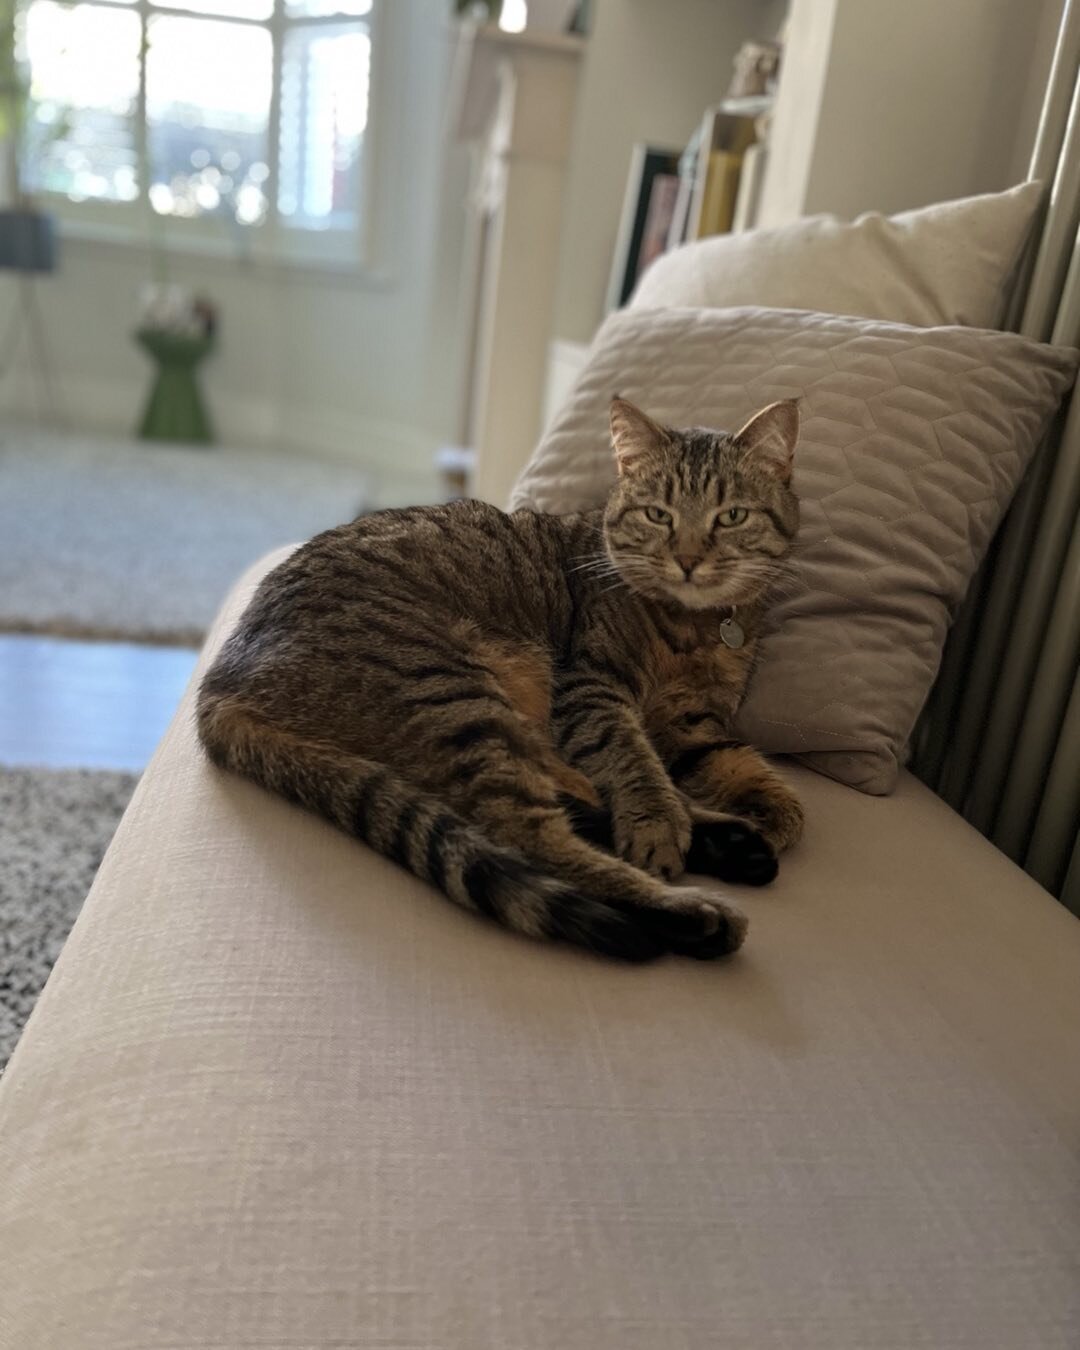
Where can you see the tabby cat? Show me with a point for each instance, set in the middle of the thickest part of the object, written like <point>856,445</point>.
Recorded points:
<point>534,712</point>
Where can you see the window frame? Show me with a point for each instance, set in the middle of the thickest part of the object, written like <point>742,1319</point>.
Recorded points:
<point>136,222</point>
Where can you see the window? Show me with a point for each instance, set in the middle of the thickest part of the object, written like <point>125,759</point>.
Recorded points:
<point>212,117</point>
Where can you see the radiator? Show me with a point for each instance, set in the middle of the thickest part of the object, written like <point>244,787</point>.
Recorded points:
<point>1000,736</point>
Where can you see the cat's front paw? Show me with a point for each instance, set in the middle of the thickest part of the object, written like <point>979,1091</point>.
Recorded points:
<point>731,851</point>
<point>654,838</point>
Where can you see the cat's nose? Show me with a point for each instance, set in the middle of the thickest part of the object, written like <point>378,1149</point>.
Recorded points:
<point>687,562</point>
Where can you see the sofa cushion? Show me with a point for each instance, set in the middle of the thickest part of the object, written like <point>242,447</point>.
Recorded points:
<point>277,1093</point>
<point>913,441</point>
<point>945,264</point>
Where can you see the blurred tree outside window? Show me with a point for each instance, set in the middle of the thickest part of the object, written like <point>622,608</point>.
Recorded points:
<point>251,112</point>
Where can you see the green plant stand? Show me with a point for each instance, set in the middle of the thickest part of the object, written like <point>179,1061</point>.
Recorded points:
<point>175,411</point>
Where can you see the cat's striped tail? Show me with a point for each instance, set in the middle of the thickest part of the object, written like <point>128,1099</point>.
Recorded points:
<point>424,835</point>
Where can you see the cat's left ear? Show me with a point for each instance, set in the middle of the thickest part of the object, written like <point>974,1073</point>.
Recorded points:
<point>770,437</point>
<point>635,437</point>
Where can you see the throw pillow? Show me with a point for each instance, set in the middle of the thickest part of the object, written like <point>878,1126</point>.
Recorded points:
<point>951,263</point>
<point>913,441</point>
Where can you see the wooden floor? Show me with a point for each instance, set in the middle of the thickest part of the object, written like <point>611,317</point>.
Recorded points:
<point>100,705</point>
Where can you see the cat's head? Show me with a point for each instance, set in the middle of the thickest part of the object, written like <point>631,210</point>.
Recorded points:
<point>702,518</point>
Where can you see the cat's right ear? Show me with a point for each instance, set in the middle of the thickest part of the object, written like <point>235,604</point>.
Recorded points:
<point>635,437</point>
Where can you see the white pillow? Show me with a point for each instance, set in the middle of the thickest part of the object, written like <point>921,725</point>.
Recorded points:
<point>947,264</point>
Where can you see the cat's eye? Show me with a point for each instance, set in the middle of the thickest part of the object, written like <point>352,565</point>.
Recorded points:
<point>734,515</point>
<point>657,515</point>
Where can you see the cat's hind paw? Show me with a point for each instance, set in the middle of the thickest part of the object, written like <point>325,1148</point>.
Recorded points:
<point>731,851</point>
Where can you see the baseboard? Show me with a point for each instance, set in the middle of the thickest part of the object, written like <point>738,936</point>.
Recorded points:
<point>401,459</point>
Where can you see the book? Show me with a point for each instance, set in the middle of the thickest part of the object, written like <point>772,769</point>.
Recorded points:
<point>647,162</point>
<point>721,189</point>
<point>751,181</point>
<point>665,190</point>
<point>687,174</point>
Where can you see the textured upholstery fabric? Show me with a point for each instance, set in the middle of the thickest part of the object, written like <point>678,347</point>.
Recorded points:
<point>913,441</point>
<point>276,1094</point>
<point>945,264</point>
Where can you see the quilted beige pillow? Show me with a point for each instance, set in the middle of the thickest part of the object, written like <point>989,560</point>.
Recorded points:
<point>913,441</point>
<point>949,263</point>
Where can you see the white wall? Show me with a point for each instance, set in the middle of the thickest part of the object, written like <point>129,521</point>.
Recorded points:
<point>343,362</point>
<point>650,70</point>
<point>887,107</point>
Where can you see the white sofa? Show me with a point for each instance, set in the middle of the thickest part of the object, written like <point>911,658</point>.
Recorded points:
<point>277,1094</point>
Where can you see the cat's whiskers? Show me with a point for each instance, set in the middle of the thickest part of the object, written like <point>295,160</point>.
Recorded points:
<point>598,564</point>
<point>639,569</point>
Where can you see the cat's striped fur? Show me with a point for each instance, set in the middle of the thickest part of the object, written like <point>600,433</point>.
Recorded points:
<point>478,696</point>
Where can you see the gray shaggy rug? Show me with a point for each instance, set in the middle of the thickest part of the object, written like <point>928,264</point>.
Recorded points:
<point>140,541</point>
<point>55,825</point>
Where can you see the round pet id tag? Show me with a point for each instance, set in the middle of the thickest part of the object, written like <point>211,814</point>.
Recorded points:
<point>731,633</point>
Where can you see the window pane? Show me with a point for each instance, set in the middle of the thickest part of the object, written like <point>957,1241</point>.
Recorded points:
<point>324,106</point>
<point>84,88</point>
<point>317,9</point>
<point>207,108</point>
<point>223,9</point>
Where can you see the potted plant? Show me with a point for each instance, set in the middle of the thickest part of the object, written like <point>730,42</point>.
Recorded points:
<point>27,234</point>
<point>177,331</point>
